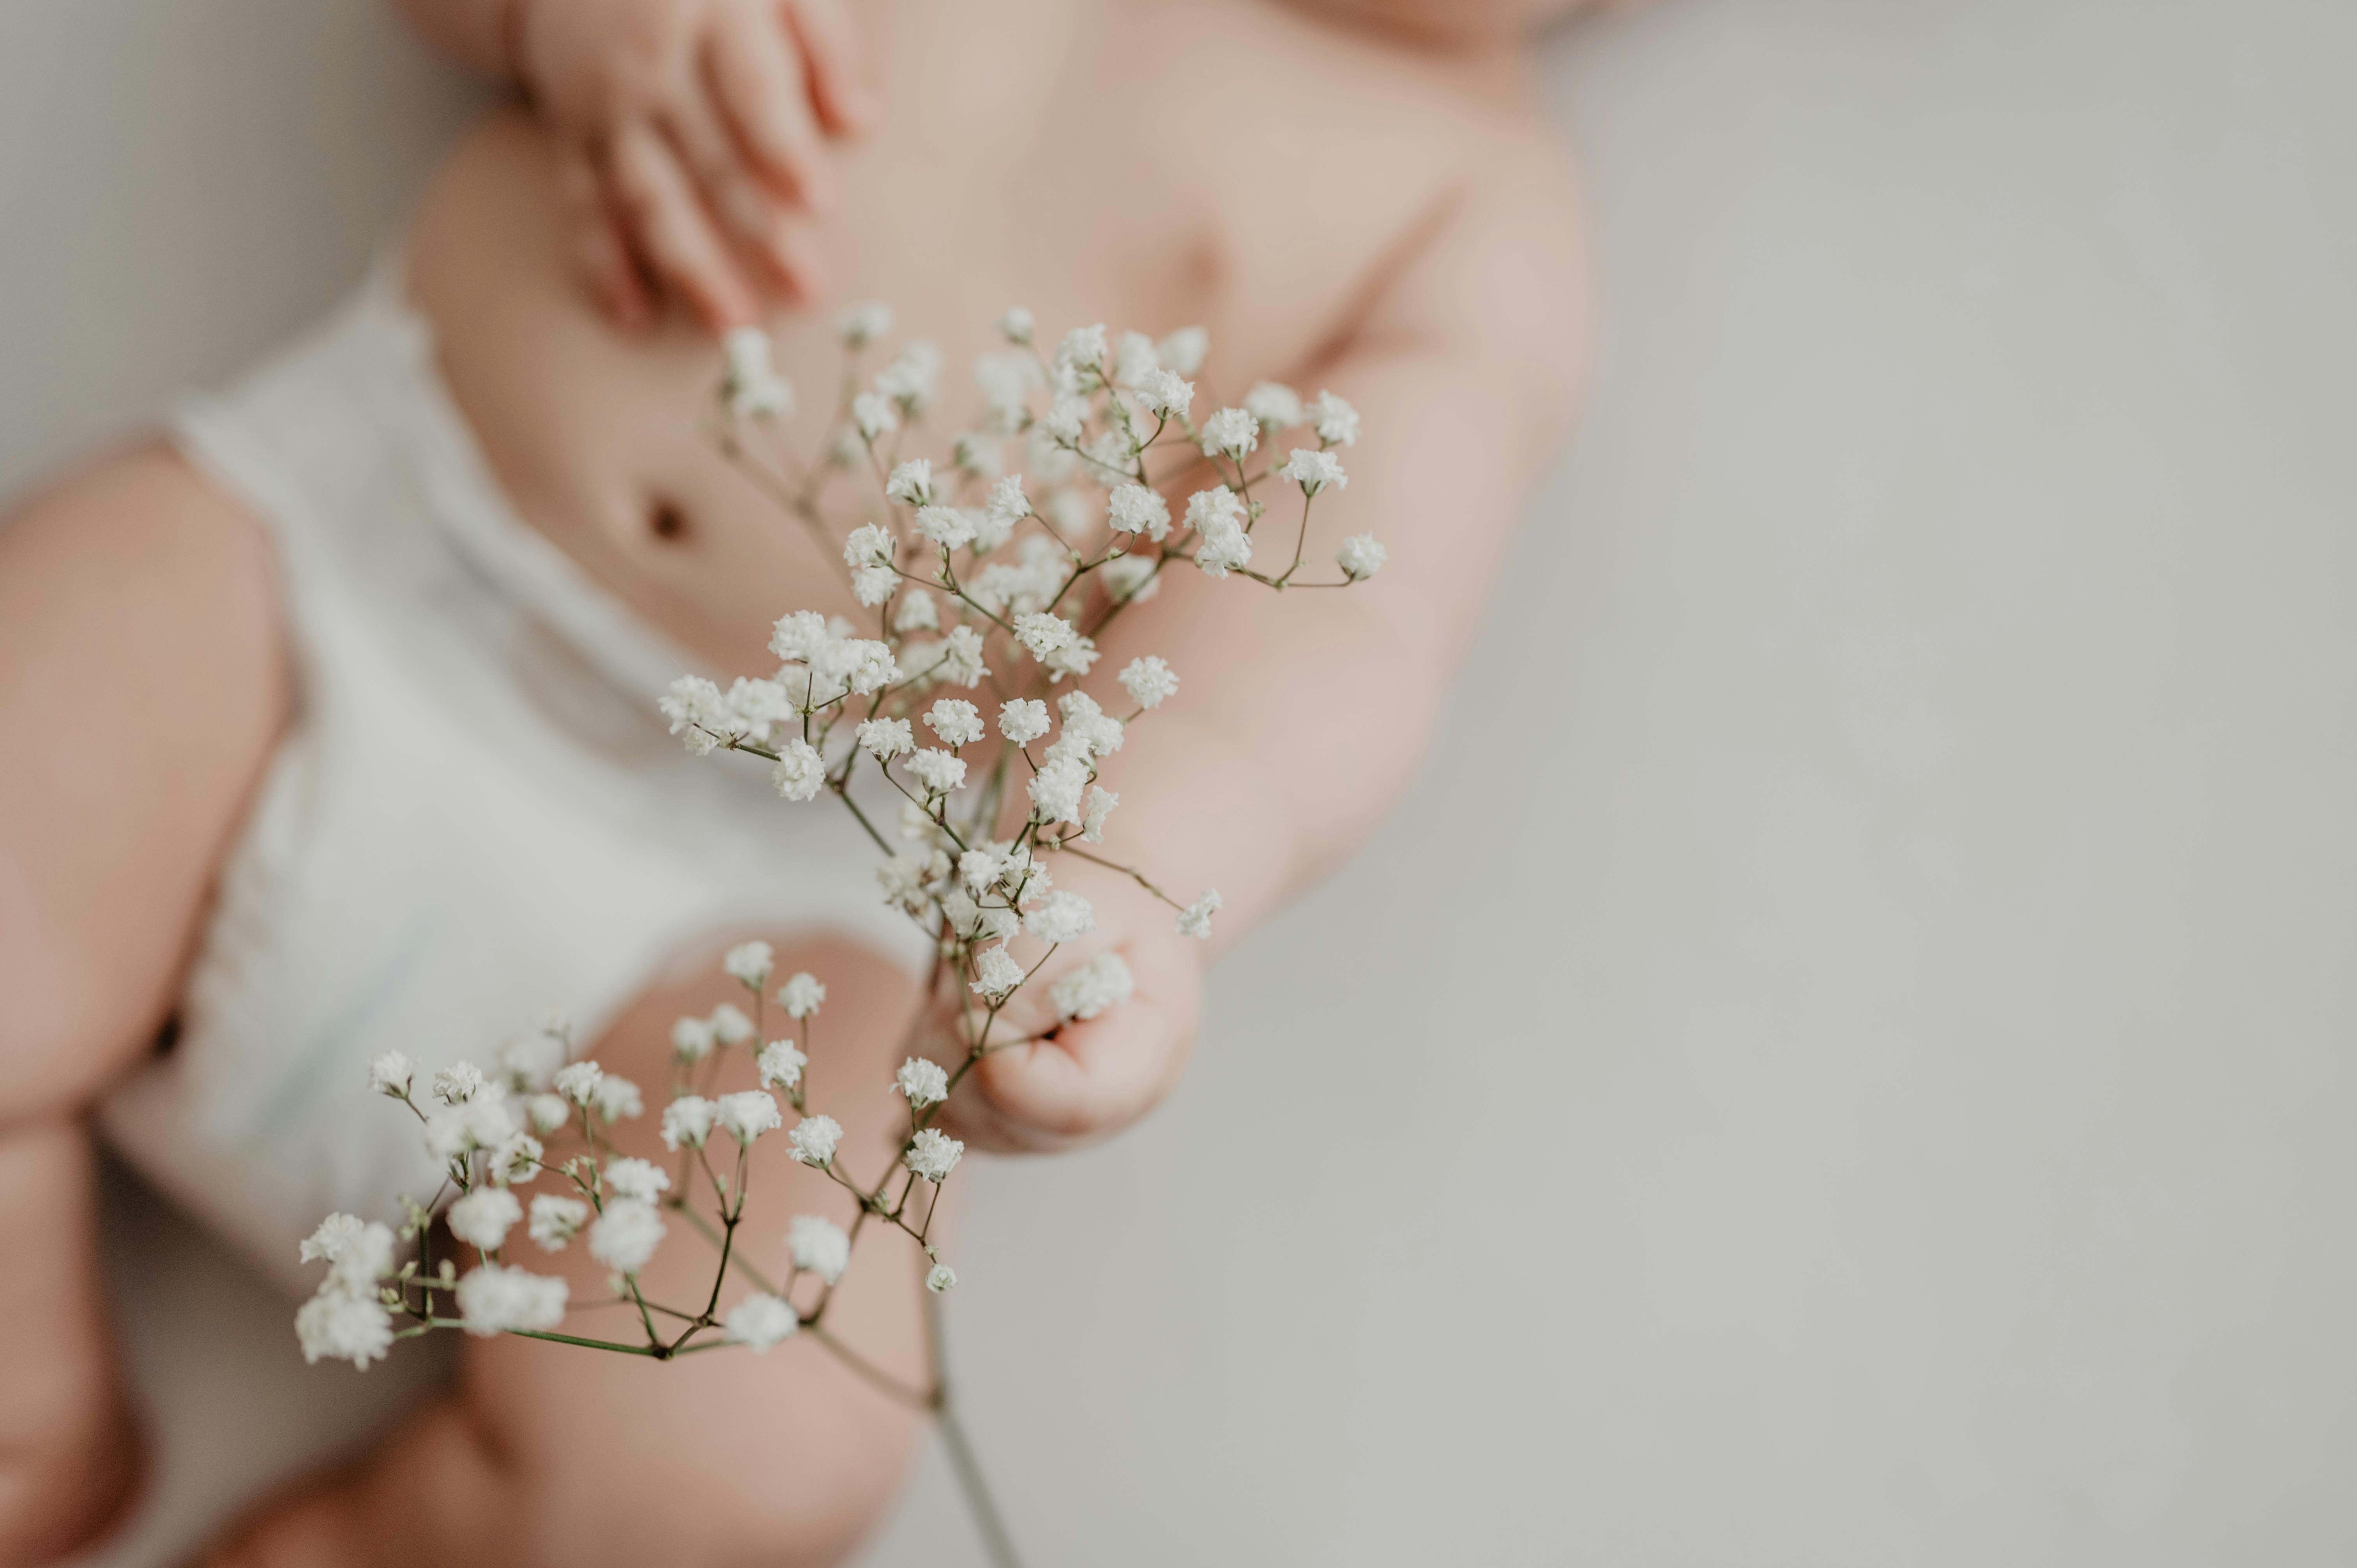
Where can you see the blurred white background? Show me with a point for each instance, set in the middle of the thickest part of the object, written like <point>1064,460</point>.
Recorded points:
<point>1884,1094</point>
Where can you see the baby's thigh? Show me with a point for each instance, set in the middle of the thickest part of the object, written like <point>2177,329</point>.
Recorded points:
<point>783,1456</point>
<point>142,687</point>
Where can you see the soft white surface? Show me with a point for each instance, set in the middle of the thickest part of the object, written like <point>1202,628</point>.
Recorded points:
<point>1884,1097</point>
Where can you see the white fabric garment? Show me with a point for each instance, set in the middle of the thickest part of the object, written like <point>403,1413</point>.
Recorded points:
<point>476,818</point>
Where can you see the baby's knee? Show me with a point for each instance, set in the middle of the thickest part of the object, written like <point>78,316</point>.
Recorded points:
<point>71,1461</point>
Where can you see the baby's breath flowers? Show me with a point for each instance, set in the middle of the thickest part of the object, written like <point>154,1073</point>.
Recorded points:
<point>975,692</point>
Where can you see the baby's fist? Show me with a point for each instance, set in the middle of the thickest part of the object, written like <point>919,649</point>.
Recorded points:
<point>691,144</point>
<point>1096,1038</point>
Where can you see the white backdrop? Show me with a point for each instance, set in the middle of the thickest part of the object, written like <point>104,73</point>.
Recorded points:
<point>1894,1045</point>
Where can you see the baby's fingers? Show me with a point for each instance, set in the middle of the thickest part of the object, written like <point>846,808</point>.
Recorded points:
<point>780,244</point>
<point>751,65</point>
<point>600,247</point>
<point>670,229</point>
<point>837,64</point>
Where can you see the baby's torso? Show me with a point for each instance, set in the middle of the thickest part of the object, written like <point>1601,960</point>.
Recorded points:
<point>1147,164</point>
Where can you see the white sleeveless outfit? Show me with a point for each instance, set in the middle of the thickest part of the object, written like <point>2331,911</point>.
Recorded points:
<point>475,818</point>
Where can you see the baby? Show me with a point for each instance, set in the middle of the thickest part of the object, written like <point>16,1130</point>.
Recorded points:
<point>332,720</point>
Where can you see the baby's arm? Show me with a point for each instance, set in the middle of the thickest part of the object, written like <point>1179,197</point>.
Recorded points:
<point>140,689</point>
<point>692,134</point>
<point>552,1454</point>
<point>1301,714</point>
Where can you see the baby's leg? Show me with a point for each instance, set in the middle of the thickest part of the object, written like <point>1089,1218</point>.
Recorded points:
<point>140,690</point>
<point>68,1455</point>
<point>548,1453</point>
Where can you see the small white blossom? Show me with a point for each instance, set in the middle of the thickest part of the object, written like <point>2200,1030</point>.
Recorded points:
<point>747,1114</point>
<point>871,585</point>
<point>860,324</point>
<point>872,415</point>
<point>1149,681</point>
<point>749,964</point>
<point>390,1074</point>
<point>801,995</point>
<point>547,1112</point>
<point>358,1252</point>
<point>1066,418</point>
<point>799,771</point>
<point>913,377</point>
<point>692,1039</point>
<point>1165,393</point>
<point>923,1083</point>
<point>1061,918</point>
<point>1104,981</point>
<point>781,1064</point>
<point>1023,721</point>
<point>941,1279</point>
<point>798,637</point>
<point>1195,921</point>
<point>483,1218</point>
<point>1083,348</point>
<point>1133,358</point>
<point>751,708</point>
<point>1101,804</point>
<point>1360,556</point>
<point>1276,406</point>
<point>814,1139</point>
<point>458,1083</point>
<point>885,740</point>
<point>1232,432</point>
<point>1185,350</point>
<point>516,1160</point>
<point>1314,471</point>
<point>337,1326</point>
<point>729,1025</point>
<point>618,1099</point>
<point>751,386</point>
<point>493,1299</point>
<point>625,1236</point>
<point>818,1246</point>
<point>997,972</point>
<point>578,1082</point>
<point>556,1220</point>
<point>1016,326</point>
<point>687,1120</point>
<point>1135,509</point>
<point>911,483</point>
<point>1056,790</point>
<point>957,722</point>
<point>1008,505</point>
<point>530,1059</point>
<point>635,1180</point>
<point>939,771</point>
<point>962,662</point>
<point>945,526</point>
<point>760,1321</point>
<point>1042,634</point>
<point>932,1155</point>
<point>698,713</point>
<point>978,868</point>
<point>917,612</point>
<point>483,1122</point>
<point>1337,422</point>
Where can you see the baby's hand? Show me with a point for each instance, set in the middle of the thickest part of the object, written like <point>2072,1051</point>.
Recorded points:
<point>692,141</point>
<point>1074,1080</point>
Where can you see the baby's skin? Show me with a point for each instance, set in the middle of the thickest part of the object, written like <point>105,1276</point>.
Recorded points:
<point>1357,197</point>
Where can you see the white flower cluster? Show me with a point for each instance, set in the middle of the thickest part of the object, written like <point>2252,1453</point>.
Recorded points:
<point>989,591</point>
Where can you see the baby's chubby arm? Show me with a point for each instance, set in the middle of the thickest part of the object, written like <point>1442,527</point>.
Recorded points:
<point>692,134</point>
<point>1300,715</point>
